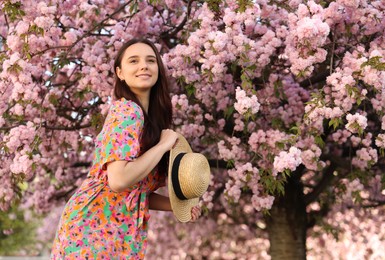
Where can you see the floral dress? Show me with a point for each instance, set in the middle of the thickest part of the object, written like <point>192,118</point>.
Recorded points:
<point>98,223</point>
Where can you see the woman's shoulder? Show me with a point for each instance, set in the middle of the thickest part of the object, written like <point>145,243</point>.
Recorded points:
<point>123,105</point>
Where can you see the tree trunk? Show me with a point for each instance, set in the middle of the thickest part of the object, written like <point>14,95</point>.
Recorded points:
<point>287,223</point>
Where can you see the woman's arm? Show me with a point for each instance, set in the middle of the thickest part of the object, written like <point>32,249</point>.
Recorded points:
<point>159,202</point>
<point>123,174</point>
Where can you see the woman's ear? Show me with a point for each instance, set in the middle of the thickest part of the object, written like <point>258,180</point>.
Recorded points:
<point>119,73</point>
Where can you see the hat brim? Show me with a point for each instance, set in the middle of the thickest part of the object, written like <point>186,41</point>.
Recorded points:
<point>180,208</point>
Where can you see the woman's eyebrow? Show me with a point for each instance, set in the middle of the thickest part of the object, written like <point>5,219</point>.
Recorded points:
<point>137,56</point>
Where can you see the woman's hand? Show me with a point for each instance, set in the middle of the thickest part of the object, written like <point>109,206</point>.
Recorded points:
<point>168,139</point>
<point>195,213</point>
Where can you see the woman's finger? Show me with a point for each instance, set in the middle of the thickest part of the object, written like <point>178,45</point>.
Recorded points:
<point>195,213</point>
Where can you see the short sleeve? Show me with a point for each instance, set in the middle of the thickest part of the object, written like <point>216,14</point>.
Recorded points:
<point>119,139</point>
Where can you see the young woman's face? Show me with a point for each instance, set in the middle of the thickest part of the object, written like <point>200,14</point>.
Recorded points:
<point>139,68</point>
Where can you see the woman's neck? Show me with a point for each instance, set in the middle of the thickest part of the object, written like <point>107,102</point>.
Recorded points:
<point>144,101</point>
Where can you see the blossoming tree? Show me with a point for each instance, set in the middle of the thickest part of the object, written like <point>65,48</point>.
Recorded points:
<point>286,99</point>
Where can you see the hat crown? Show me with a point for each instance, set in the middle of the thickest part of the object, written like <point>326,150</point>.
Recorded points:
<point>194,171</point>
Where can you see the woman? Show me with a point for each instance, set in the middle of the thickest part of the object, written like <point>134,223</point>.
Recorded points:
<point>107,217</point>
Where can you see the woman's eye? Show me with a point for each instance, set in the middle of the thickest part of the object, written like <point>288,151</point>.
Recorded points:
<point>152,61</point>
<point>132,61</point>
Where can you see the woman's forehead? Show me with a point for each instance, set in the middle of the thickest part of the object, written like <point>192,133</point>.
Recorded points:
<point>139,49</point>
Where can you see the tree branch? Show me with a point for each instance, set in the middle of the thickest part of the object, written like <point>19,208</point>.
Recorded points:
<point>172,32</point>
<point>81,164</point>
<point>88,33</point>
<point>6,128</point>
<point>182,24</point>
<point>62,194</point>
<point>67,128</point>
<point>374,204</point>
<point>327,178</point>
<point>315,79</point>
<point>217,164</point>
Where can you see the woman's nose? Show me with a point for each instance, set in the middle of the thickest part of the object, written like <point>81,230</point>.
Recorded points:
<point>143,65</point>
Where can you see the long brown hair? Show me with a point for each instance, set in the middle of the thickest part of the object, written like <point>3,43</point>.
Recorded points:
<point>159,114</point>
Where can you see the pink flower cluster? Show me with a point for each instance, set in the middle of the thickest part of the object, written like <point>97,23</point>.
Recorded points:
<point>287,160</point>
<point>339,81</point>
<point>262,140</point>
<point>262,202</point>
<point>246,176</point>
<point>380,141</point>
<point>20,136</point>
<point>356,123</point>
<point>341,136</point>
<point>265,144</point>
<point>360,235</point>
<point>244,103</point>
<point>310,158</point>
<point>230,149</point>
<point>365,158</point>
<point>182,108</point>
<point>351,187</point>
<point>7,192</point>
<point>292,110</point>
<point>307,37</point>
<point>314,112</point>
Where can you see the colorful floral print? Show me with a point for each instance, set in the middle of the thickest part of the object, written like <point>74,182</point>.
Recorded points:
<point>98,223</point>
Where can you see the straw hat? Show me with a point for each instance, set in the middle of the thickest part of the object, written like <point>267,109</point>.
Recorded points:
<point>188,179</point>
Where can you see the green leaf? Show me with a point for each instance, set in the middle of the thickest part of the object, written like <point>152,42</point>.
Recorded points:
<point>53,100</point>
<point>134,7</point>
<point>280,188</point>
<point>277,123</point>
<point>34,166</point>
<point>97,121</point>
<point>230,164</point>
<point>13,10</point>
<point>81,13</point>
<point>187,59</point>
<point>234,67</point>
<point>14,68</point>
<point>335,122</point>
<point>280,145</point>
<point>278,90</point>
<point>36,29</point>
<point>295,130</point>
<point>209,74</point>
<point>229,112</point>
<point>190,88</point>
<point>243,5</point>
<point>356,196</point>
<point>214,5</point>
<point>319,141</point>
<point>287,172</point>
<point>246,82</point>
<point>375,63</point>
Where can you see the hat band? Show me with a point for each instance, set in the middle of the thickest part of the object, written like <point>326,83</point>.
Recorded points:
<point>175,177</point>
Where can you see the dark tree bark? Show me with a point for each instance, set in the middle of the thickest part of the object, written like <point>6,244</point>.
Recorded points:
<point>287,224</point>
